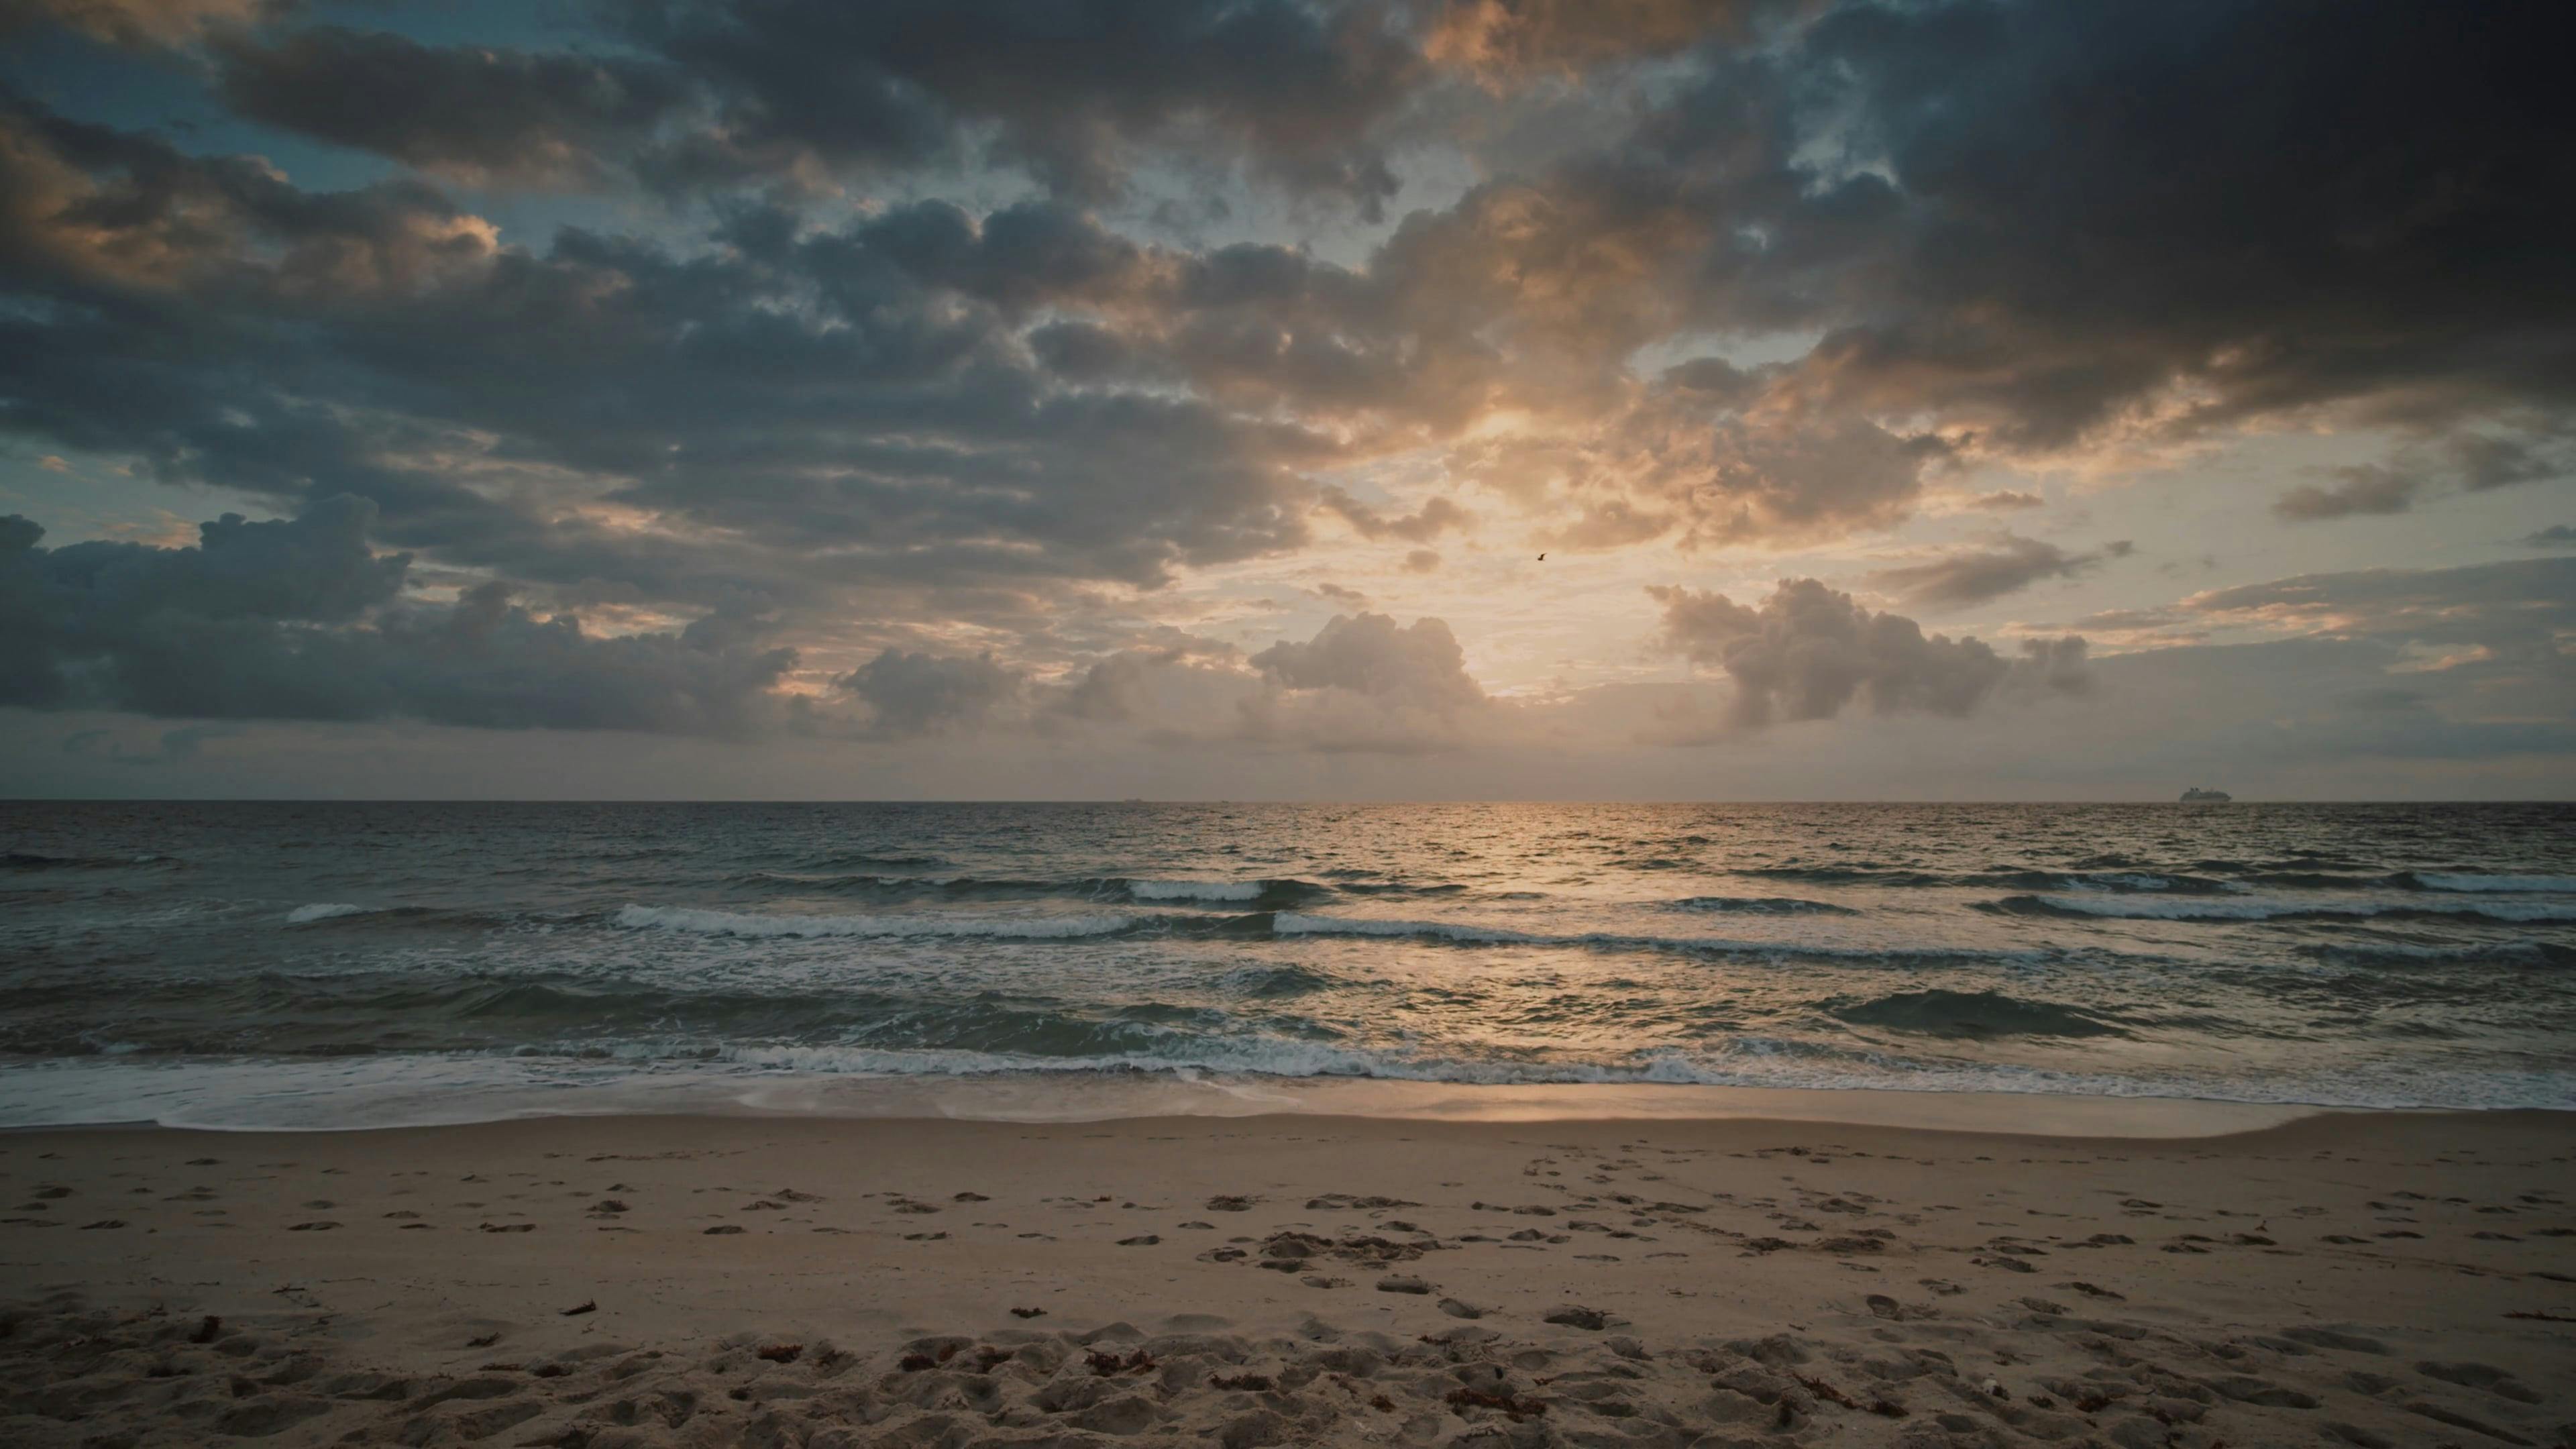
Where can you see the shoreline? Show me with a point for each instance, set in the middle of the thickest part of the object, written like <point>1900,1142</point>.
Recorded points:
<point>2365,1278</point>
<point>330,1096</point>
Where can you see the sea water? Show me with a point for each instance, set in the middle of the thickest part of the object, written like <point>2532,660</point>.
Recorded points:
<point>316,965</point>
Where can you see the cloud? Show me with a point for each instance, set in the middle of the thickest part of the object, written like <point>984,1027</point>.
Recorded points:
<point>849,393</point>
<point>474,113</point>
<point>913,694</point>
<point>2366,488</point>
<point>1512,42</point>
<point>1421,526</point>
<point>131,22</point>
<point>298,619</point>
<point>1365,685</point>
<point>2557,535</point>
<point>2498,618</point>
<point>1807,651</point>
<point>1361,685</point>
<point>2472,462</point>
<point>1978,575</point>
<point>1077,93</point>
<point>1369,654</point>
<point>2005,500</point>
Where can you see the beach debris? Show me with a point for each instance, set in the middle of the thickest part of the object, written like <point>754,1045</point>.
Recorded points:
<point>1250,1383</point>
<point>1994,1388</point>
<point>780,1352</point>
<point>1513,1408</point>
<point>1575,1315</point>
<point>1109,1365</point>
<point>1344,1202</point>
<point>1028,1313</point>
<point>587,1305</point>
<point>509,1227</point>
<point>1141,1240</point>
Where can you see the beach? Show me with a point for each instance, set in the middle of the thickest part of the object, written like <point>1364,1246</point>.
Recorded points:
<point>2346,1277</point>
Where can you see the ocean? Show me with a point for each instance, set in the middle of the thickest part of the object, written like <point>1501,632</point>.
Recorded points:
<point>346,964</point>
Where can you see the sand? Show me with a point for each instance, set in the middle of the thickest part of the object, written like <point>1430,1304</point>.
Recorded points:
<point>2371,1279</point>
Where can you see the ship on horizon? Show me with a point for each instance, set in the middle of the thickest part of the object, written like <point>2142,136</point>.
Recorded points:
<point>2198,796</point>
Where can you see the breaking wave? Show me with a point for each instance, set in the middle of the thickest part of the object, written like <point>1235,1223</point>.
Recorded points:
<point>2513,912</point>
<point>1761,906</point>
<point>737,923</point>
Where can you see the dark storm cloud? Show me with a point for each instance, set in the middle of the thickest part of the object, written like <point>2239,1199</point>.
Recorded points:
<point>2092,201</point>
<point>729,92</point>
<point>1975,576</point>
<point>1071,90</point>
<point>828,402</point>
<point>299,620</point>
<point>473,112</point>
<point>1807,651</point>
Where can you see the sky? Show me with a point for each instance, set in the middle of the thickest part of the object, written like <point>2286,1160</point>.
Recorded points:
<point>1278,399</point>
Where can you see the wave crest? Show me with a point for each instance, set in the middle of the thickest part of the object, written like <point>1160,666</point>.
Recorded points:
<point>737,923</point>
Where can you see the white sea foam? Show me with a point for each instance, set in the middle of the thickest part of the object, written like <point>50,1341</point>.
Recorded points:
<point>737,923</point>
<point>1195,890</point>
<point>303,915</point>
<point>397,1089</point>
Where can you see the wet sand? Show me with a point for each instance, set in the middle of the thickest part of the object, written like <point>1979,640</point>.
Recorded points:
<point>2361,1278</point>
